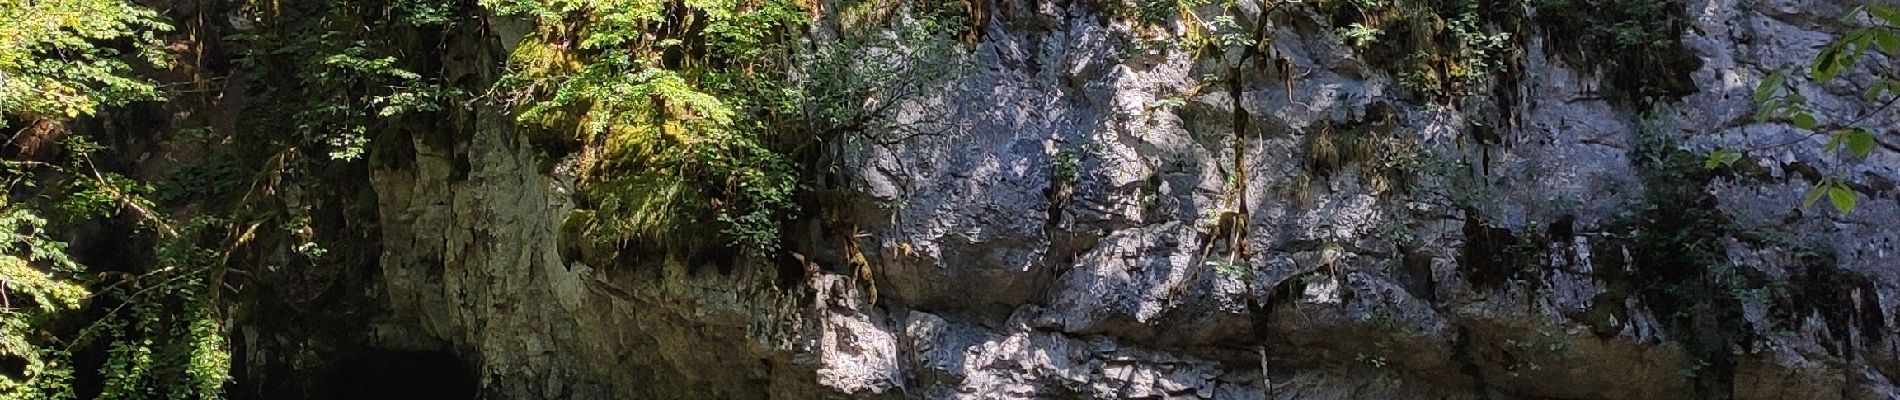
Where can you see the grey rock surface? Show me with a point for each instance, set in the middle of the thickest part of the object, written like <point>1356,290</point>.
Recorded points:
<point>1355,283</point>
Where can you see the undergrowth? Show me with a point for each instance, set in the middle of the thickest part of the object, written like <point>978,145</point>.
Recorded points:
<point>700,119</point>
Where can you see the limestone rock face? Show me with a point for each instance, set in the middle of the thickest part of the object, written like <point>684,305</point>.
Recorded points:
<point>1070,238</point>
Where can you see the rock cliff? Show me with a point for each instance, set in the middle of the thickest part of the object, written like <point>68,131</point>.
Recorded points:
<point>1094,217</point>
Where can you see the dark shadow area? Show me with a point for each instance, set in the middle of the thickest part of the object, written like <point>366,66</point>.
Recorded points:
<point>401,375</point>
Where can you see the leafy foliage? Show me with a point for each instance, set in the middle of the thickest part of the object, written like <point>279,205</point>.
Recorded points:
<point>34,294</point>
<point>644,91</point>
<point>161,330</point>
<point>1679,264</point>
<point>165,338</point>
<point>56,60</point>
<point>1852,135</point>
<point>1438,48</point>
<point>348,68</point>
<point>1635,45</point>
<point>1451,48</point>
<point>62,59</point>
<point>690,115</point>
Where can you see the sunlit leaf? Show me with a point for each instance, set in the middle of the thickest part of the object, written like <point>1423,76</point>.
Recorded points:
<point>1860,142</point>
<point>1770,84</point>
<point>1721,158</point>
<point>1887,40</point>
<point>1828,62</point>
<point>1887,14</point>
<point>1841,197</point>
<point>1859,41</point>
<point>1882,88</point>
<point>1766,112</point>
<point>1804,121</point>
<point>1814,195</point>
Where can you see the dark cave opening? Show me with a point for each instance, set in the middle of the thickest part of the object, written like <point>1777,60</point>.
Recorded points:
<point>401,375</point>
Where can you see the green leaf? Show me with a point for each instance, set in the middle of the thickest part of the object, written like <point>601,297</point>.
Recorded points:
<point>1766,112</point>
<point>1887,14</point>
<point>1841,197</point>
<point>1860,142</point>
<point>1861,40</point>
<point>1888,41</point>
<point>1833,143</point>
<point>1770,84</point>
<point>1804,120</point>
<point>1787,109</point>
<point>1721,158</point>
<point>1881,88</point>
<point>1828,62</point>
<point>1814,195</point>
